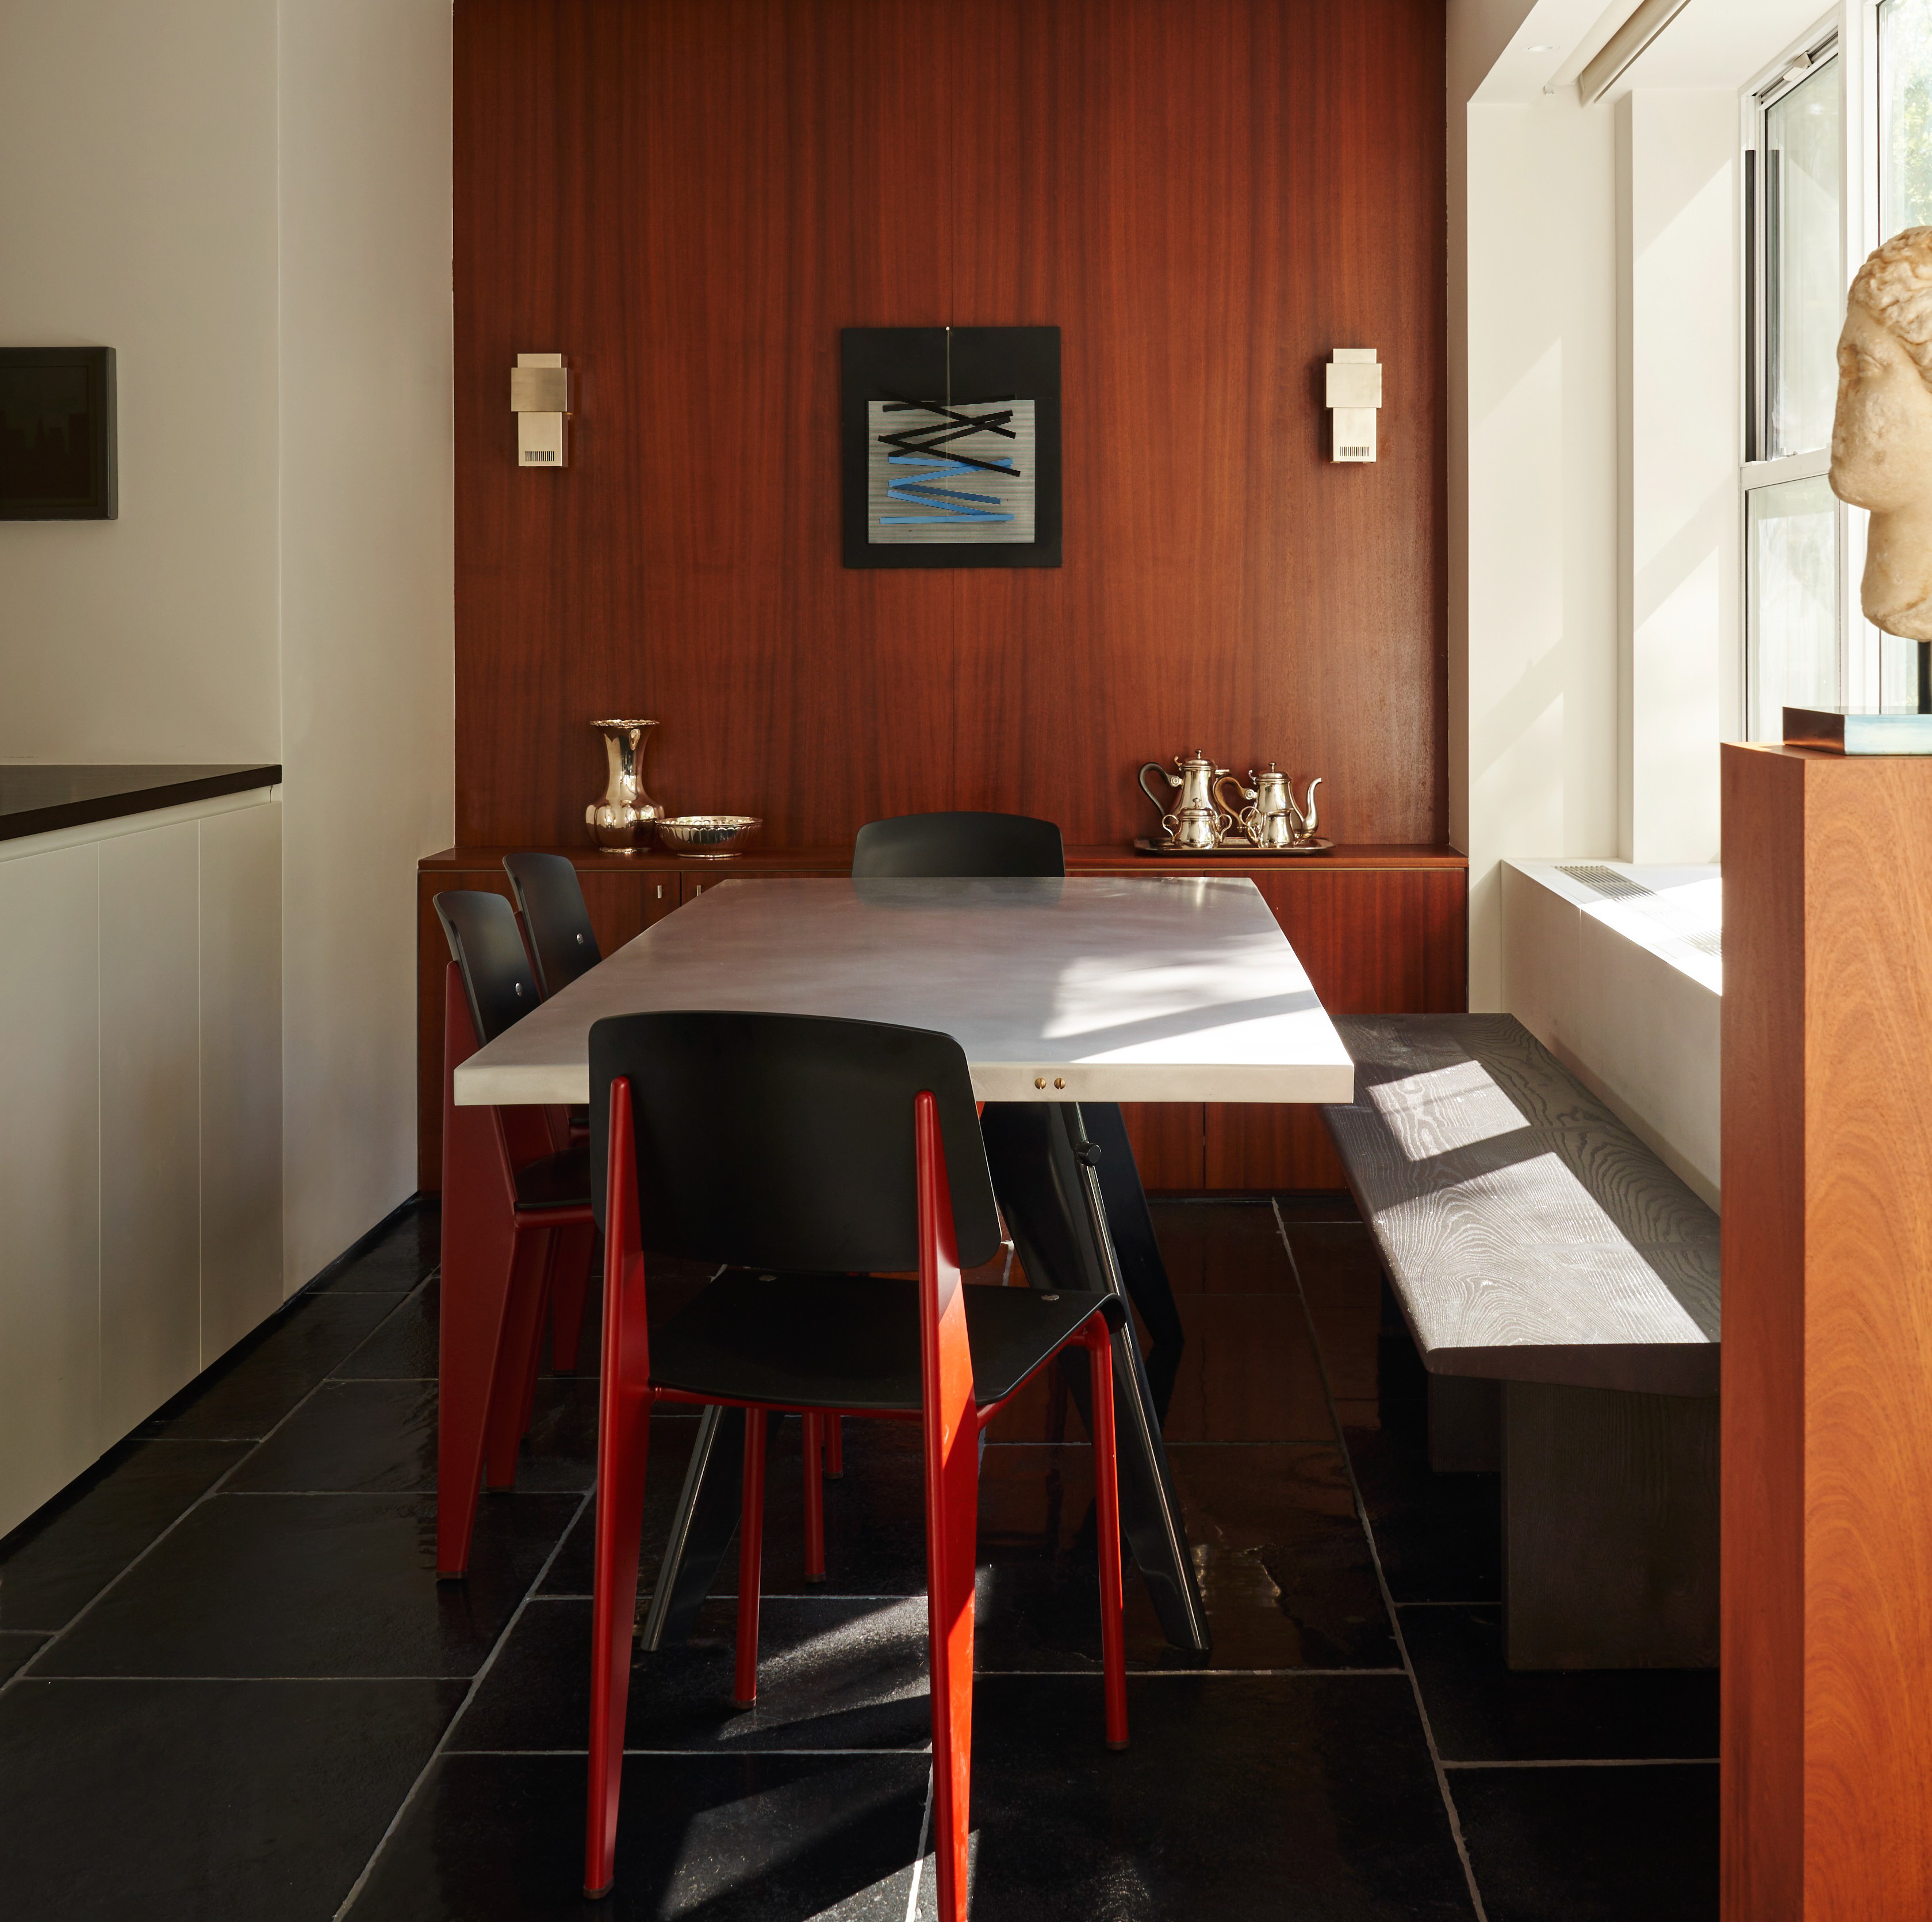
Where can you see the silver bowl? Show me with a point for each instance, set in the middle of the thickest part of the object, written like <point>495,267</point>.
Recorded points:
<point>714,837</point>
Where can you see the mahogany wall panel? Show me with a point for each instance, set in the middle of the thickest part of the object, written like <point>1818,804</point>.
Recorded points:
<point>689,198</point>
<point>1375,941</point>
<point>1827,1401</point>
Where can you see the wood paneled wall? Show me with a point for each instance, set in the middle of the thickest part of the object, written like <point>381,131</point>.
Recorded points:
<point>1827,1401</point>
<point>689,198</point>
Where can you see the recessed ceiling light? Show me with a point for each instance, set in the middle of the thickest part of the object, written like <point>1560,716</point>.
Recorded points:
<point>1543,46</point>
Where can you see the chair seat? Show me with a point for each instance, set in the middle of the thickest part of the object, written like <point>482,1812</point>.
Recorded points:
<point>851,1341</point>
<point>557,1181</point>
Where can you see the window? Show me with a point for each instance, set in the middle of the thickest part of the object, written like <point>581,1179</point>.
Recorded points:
<point>1793,540</point>
<point>1809,227</point>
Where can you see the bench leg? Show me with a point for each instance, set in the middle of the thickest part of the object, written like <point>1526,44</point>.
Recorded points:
<point>1466,1425</point>
<point>1610,1528</point>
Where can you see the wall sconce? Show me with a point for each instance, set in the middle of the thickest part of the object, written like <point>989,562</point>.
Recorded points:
<point>1355,395</point>
<point>540,399</point>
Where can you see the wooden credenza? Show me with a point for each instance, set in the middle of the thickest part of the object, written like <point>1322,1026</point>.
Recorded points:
<point>1380,931</point>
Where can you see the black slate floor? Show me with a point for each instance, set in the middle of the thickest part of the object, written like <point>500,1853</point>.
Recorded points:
<point>233,1688</point>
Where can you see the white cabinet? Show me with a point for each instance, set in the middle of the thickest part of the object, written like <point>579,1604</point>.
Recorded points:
<point>150,1118</point>
<point>49,1175</point>
<point>241,1074</point>
<point>140,1122</point>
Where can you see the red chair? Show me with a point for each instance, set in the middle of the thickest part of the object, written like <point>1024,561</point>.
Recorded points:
<point>810,1156</point>
<point>516,1227</point>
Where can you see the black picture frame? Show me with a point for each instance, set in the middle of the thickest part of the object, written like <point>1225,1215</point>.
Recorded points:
<point>984,364</point>
<point>76,479</point>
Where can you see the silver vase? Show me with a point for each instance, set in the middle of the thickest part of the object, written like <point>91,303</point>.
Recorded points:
<point>622,821</point>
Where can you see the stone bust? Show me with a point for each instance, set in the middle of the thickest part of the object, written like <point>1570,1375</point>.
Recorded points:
<point>1881,435</point>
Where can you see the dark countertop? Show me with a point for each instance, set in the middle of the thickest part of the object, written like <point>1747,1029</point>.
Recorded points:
<point>36,798</point>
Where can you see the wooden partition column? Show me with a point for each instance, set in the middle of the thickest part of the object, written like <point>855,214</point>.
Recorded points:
<point>1827,1400</point>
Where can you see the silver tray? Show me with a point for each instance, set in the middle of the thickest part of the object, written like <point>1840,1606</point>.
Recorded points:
<point>1246,850</point>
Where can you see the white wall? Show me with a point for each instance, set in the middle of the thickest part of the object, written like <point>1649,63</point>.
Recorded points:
<point>367,569</point>
<point>1534,460</point>
<point>137,212</point>
<point>1680,623</point>
<point>249,201</point>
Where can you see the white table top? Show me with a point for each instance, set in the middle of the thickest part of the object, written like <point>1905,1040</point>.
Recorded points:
<point>1170,988</point>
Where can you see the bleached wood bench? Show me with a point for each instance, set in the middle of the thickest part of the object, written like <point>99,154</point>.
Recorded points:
<point>1561,1284</point>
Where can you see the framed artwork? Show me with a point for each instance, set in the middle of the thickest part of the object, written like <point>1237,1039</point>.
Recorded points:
<point>951,446</point>
<point>57,456</point>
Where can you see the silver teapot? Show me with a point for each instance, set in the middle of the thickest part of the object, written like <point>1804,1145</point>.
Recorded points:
<point>1271,819</point>
<point>1195,821</point>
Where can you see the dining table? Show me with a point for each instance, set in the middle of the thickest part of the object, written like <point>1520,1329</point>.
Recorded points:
<point>1068,996</point>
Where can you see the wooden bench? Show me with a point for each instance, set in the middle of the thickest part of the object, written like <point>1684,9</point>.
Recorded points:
<point>1561,1285</point>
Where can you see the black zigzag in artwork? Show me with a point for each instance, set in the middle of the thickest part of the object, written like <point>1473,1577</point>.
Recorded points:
<point>936,433</point>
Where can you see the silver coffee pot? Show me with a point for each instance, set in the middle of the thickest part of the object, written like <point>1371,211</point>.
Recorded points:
<point>1271,819</point>
<point>1195,821</point>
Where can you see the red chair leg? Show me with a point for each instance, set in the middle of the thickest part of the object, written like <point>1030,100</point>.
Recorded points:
<point>623,1442</point>
<point>570,1289</point>
<point>514,1379</point>
<point>950,1611</point>
<point>1107,1497</point>
<point>751,1543</point>
<point>815,1498</point>
<point>950,1426</point>
<point>835,1447</point>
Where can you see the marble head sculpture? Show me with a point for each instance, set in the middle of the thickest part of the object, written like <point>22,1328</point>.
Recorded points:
<point>1882,436</point>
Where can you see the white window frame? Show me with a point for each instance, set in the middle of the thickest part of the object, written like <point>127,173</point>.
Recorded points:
<point>1849,34</point>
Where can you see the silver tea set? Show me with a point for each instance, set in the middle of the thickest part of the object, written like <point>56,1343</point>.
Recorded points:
<point>1272,819</point>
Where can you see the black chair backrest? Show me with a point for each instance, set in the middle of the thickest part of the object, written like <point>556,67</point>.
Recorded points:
<point>486,944</point>
<point>972,845</point>
<point>785,1141</point>
<point>551,898</point>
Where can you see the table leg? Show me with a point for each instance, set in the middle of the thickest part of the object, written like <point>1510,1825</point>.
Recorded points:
<point>1059,1204</point>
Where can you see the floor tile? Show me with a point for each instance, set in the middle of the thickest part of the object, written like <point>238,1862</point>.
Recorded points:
<point>372,1436</point>
<point>407,1251</point>
<point>1307,1797</point>
<point>1337,1264</point>
<point>16,1647</point>
<point>61,1556</point>
<point>671,1437</point>
<point>832,1673</point>
<point>1439,1536</point>
<point>316,1585</point>
<point>1350,1341</point>
<point>203,1801</point>
<point>1221,1247</point>
<point>1284,1566</point>
<point>1592,1845</point>
<point>747,1838</point>
<point>246,1392</point>
<point>403,1348</point>
<point>1248,1373</point>
<point>1482,1712</point>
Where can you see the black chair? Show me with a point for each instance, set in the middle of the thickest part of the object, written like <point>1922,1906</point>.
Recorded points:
<point>517,1225</point>
<point>550,899</point>
<point>1030,1172</point>
<point>807,1155</point>
<point>975,845</point>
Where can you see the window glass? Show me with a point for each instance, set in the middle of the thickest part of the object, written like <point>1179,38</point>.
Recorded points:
<point>1792,552</point>
<point>1804,302</point>
<point>1905,115</point>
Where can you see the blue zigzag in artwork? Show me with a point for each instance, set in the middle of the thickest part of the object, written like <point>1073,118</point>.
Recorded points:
<point>917,491</point>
